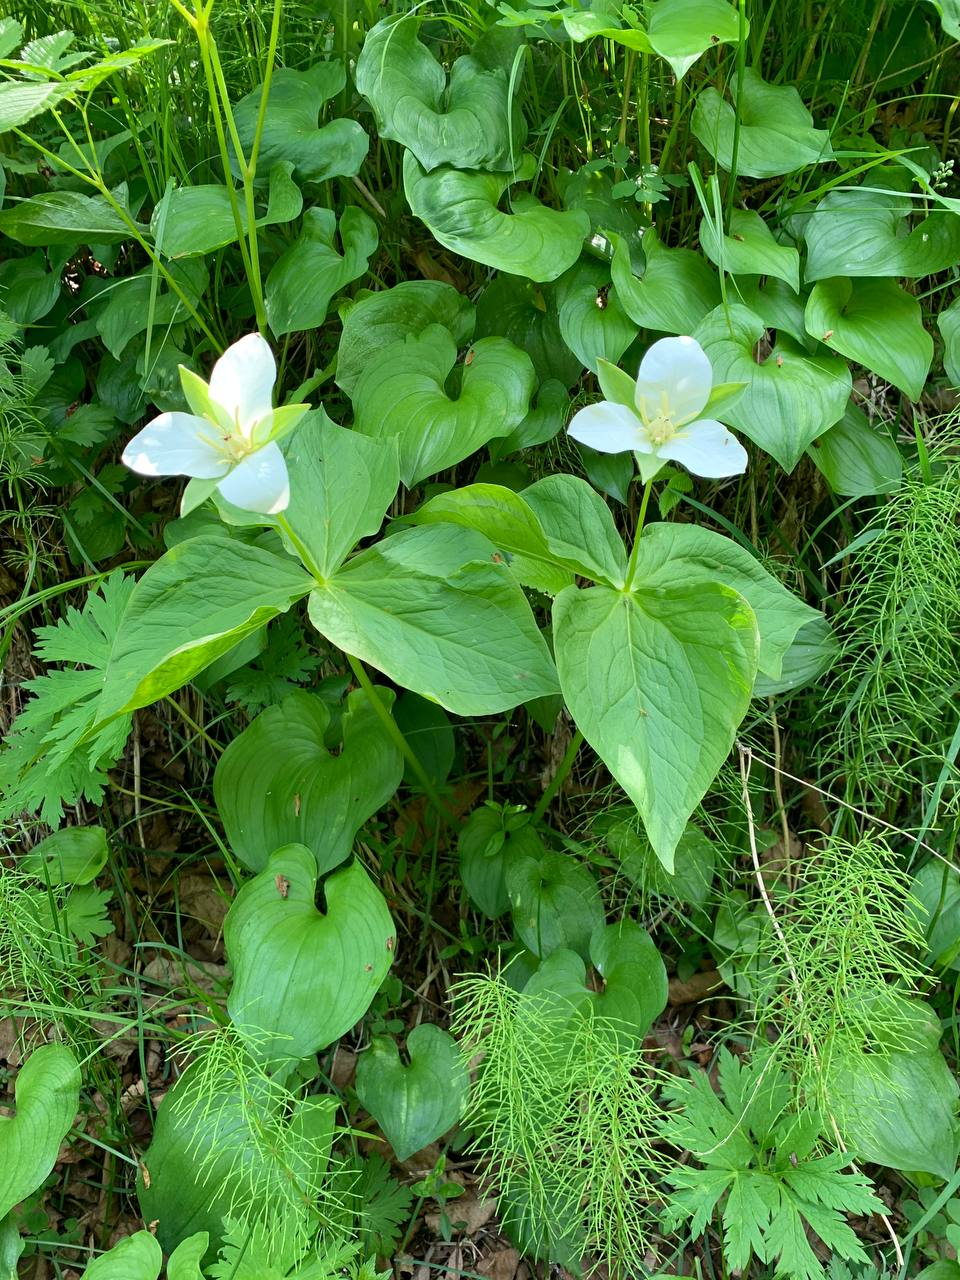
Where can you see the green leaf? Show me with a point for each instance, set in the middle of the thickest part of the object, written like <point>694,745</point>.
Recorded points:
<point>749,248</point>
<point>63,218</point>
<point>469,125</point>
<point>416,1104</point>
<point>948,322</point>
<point>200,219</point>
<point>877,324</point>
<point>311,272</point>
<point>592,319</point>
<point>459,632</point>
<point>658,681</point>
<point>461,210</point>
<point>191,606</point>
<point>138,1257</point>
<point>578,527</point>
<point>935,893</point>
<point>813,652</point>
<point>74,855</point>
<point>28,289</point>
<point>635,985</point>
<point>184,1263</point>
<point>376,320</point>
<point>776,133</point>
<point>85,914</point>
<point>856,459</point>
<point>428,729</point>
<point>47,1098</point>
<point>20,102</point>
<point>543,422</point>
<point>789,399</point>
<point>128,303</point>
<point>554,901</point>
<point>949,11</point>
<point>694,860</point>
<point>865,233</point>
<point>402,394</point>
<point>290,131</point>
<point>278,784</point>
<point>746,1216</point>
<point>526,313</point>
<point>682,30</point>
<point>487,845</point>
<point>676,291</point>
<point>301,978</point>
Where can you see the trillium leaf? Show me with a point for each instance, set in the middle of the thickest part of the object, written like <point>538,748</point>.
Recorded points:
<point>675,292</point>
<point>402,395</point>
<point>190,607</point>
<point>468,124</point>
<point>856,459</point>
<point>290,130</point>
<point>875,323</point>
<point>658,681</point>
<point>200,219</point>
<point>416,1104</point>
<point>301,978</point>
<point>776,133</point>
<point>682,30</point>
<point>47,1098</point>
<point>74,855</point>
<point>138,1257</point>
<point>463,636</point>
<point>750,249</point>
<point>376,320</point>
<point>593,322</point>
<point>814,650</point>
<point>578,527</point>
<point>865,233</point>
<point>311,272</point>
<point>277,783</point>
<point>554,901</point>
<point>63,218</point>
<point>948,322</point>
<point>789,399</point>
<point>461,210</point>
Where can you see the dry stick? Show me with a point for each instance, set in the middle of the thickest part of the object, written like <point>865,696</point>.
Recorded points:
<point>746,759</point>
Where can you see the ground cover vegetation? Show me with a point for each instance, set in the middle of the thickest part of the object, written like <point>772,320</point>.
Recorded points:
<point>480,602</point>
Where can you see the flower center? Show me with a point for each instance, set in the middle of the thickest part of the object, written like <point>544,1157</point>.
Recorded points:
<point>233,446</point>
<point>659,427</point>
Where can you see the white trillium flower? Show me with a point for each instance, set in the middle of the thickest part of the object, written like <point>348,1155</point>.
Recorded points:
<point>231,435</point>
<point>663,419</point>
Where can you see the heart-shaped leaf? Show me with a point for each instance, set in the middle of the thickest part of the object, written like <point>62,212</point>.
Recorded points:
<point>402,394</point>
<point>488,843</point>
<point>47,1098</point>
<point>682,30</point>
<point>592,319</point>
<point>658,682</point>
<point>675,292</point>
<point>29,289</point>
<point>789,399</point>
<point>554,900</point>
<point>75,855</point>
<point>461,209</point>
<point>749,248</point>
<point>469,125</point>
<point>416,1104</point>
<point>302,978</point>
<point>775,133</point>
<point>948,322</point>
<point>194,220</point>
<point>877,324</point>
<point>277,783</point>
<point>138,1257</point>
<point>311,272</point>
<point>526,313</point>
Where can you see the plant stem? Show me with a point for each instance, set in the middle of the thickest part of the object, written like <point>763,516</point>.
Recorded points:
<point>632,565</point>
<point>560,777</point>
<point>393,729</point>
<point>301,548</point>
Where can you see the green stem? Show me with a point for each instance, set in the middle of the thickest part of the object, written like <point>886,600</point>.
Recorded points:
<point>301,548</point>
<point>632,565</point>
<point>393,729</point>
<point>741,69</point>
<point>560,777</point>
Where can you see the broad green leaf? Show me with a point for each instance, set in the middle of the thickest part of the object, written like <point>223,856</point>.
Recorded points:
<point>47,1098</point>
<point>948,322</point>
<point>277,783</point>
<point>543,422</point>
<point>856,459</point>
<point>675,292</point>
<point>20,102</point>
<point>875,323</point>
<point>813,652</point>
<point>303,978</point>
<point>190,607</point>
<point>658,681</point>
<point>184,1263</point>
<point>290,131</point>
<point>74,855</point>
<point>682,30</point>
<point>774,302</point>
<point>634,976</point>
<point>402,394</point>
<point>789,399</point>
<point>692,554</point>
<point>63,218</point>
<point>749,248</point>
<point>866,233</point>
<point>200,219</point>
<point>694,863</point>
<point>375,320</point>
<point>461,209</point>
<point>578,527</point>
<point>311,272</point>
<point>414,1105</point>
<point>28,289</point>
<point>428,730</point>
<point>487,845</point>
<point>128,302</point>
<point>592,320</point>
<point>138,1257</point>
<point>585,24</point>
<point>526,313</point>
<point>11,1248</point>
<point>935,905</point>
<point>469,125</point>
<point>949,11</point>
<point>461,634</point>
<point>776,133</point>
<point>554,900</point>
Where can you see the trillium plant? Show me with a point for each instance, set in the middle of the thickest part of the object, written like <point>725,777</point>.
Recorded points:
<point>229,441</point>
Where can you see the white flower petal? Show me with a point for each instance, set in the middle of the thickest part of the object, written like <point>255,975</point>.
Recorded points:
<point>674,380</point>
<point>608,428</point>
<point>707,449</point>
<point>260,482</point>
<point>242,381</point>
<point>176,444</point>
